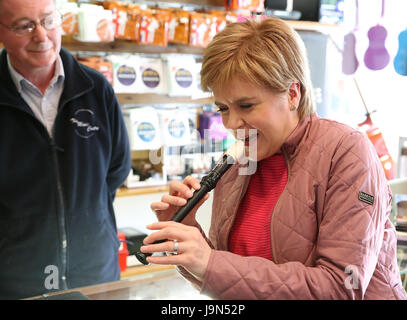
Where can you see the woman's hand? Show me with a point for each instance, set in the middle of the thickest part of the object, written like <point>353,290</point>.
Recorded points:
<point>179,192</point>
<point>193,251</point>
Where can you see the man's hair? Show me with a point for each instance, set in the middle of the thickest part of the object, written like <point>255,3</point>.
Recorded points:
<point>269,54</point>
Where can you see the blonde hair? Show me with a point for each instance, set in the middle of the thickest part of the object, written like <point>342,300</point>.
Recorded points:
<point>269,54</point>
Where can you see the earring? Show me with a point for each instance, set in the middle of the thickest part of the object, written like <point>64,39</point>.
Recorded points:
<point>293,107</point>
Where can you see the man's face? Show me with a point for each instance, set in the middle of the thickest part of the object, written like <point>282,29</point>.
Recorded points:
<point>38,50</point>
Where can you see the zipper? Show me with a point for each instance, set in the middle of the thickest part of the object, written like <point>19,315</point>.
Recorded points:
<point>60,215</point>
<point>273,250</point>
<point>60,210</point>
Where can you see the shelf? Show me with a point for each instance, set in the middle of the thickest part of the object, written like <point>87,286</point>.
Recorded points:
<point>142,269</point>
<point>127,192</point>
<point>129,99</point>
<point>201,3</point>
<point>215,3</point>
<point>128,46</point>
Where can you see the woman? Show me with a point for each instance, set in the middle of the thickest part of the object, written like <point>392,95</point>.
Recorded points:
<point>313,221</point>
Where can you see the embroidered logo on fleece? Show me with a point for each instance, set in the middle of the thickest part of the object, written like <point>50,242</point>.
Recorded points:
<point>365,197</point>
<point>83,121</point>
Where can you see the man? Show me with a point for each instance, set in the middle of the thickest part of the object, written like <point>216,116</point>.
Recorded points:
<point>63,153</point>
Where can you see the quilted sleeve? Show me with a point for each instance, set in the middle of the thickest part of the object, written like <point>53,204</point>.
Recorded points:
<point>349,239</point>
<point>195,282</point>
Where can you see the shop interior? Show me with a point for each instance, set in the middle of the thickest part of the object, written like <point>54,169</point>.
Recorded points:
<point>150,52</point>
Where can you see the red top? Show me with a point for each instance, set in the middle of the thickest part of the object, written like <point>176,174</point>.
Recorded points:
<point>250,233</point>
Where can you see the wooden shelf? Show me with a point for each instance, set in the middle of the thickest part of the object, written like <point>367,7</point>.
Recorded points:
<point>202,3</point>
<point>128,99</point>
<point>127,192</point>
<point>128,46</point>
<point>141,269</point>
<point>215,3</point>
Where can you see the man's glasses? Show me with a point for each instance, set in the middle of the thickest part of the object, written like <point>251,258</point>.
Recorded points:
<point>26,28</point>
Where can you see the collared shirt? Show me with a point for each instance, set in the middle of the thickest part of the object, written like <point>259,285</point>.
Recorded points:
<point>44,106</point>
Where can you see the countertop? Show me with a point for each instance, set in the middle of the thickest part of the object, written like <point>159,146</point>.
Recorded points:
<point>151,282</point>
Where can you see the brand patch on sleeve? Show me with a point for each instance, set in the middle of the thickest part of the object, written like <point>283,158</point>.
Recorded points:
<point>367,198</point>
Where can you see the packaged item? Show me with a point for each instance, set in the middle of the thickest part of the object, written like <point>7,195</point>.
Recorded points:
<point>119,12</point>
<point>181,75</point>
<point>250,5</point>
<point>126,76</point>
<point>99,64</point>
<point>192,114</point>
<point>178,27</point>
<point>95,24</point>
<point>219,20</point>
<point>231,17</point>
<point>69,12</point>
<point>199,28</point>
<point>154,27</point>
<point>143,128</point>
<point>132,30</point>
<point>152,77</point>
<point>197,92</point>
<point>212,22</point>
<point>175,127</point>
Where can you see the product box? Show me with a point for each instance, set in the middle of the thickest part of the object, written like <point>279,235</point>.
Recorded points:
<point>95,24</point>
<point>143,128</point>
<point>197,92</point>
<point>126,75</point>
<point>152,76</point>
<point>69,12</point>
<point>175,127</point>
<point>99,64</point>
<point>192,114</point>
<point>154,27</point>
<point>178,27</point>
<point>181,75</point>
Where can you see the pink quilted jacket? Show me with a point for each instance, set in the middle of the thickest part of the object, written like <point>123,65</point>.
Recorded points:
<point>330,231</point>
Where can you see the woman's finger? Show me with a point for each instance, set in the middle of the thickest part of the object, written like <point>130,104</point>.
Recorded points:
<point>174,200</point>
<point>168,232</point>
<point>192,182</point>
<point>178,188</point>
<point>165,246</point>
<point>159,206</point>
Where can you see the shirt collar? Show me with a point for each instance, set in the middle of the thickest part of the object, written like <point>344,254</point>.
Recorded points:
<point>18,79</point>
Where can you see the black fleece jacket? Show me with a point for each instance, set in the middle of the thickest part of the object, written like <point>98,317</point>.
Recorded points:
<point>57,224</point>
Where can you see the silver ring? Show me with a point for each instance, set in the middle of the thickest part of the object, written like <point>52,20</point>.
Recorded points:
<point>175,250</point>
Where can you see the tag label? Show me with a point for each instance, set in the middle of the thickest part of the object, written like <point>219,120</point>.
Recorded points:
<point>367,198</point>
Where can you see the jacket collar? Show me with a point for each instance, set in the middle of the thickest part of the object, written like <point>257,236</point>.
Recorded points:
<point>77,82</point>
<point>289,147</point>
<point>8,90</point>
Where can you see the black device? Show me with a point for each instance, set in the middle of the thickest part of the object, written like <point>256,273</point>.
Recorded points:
<point>309,9</point>
<point>208,183</point>
<point>134,239</point>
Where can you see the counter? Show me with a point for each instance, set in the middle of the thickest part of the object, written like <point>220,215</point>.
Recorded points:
<point>151,282</point>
